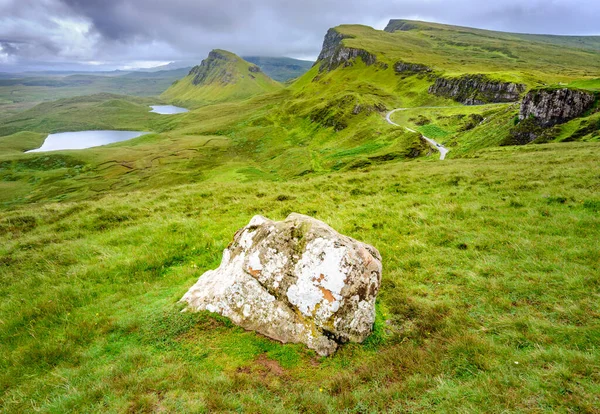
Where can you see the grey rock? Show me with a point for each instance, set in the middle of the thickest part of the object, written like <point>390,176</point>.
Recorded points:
<point>334,54</point>
<point>211,68</point>
<point>550,107</point>
<point>297,281</point>
<point>410,68</point>
<point>477,90</point>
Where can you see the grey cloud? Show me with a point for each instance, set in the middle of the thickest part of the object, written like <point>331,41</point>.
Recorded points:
<point>122,31</point>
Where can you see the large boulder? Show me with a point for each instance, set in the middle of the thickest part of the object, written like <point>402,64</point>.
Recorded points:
<point>296,280</point>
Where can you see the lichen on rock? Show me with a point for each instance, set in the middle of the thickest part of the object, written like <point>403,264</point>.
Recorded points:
<point>297,281</point>
<point>477,90</point>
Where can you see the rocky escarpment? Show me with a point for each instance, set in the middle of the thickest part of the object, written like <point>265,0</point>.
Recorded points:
<point>555,106</point>
<point>334,54</point>
<point>411,68</point>
<point>477,90</point>
<point>297,281</point>
<point>542,109</point>
<point>217,67</point>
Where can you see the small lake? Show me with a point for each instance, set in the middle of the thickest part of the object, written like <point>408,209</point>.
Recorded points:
<point>85,139</point>
<point>168,109</point>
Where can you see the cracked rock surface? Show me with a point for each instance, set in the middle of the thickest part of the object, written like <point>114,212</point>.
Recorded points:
<point>296,280</point>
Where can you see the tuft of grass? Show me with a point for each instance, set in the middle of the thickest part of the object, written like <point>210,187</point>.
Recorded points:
<point>471,284</point>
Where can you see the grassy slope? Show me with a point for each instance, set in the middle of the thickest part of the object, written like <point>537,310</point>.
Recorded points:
<point>243,84</point>
<point>489,298</point>
<point>281,69</point>
<point>457,50</point>
<point>489,259</point>
<point>101,111</point>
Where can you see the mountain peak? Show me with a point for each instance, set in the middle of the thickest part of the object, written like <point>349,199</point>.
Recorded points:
<point>222,76</point>
<point>223,67</point>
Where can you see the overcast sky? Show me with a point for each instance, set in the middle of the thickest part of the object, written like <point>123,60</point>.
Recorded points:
<point>109,34</point>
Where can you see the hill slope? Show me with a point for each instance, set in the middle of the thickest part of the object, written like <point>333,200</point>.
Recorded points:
<point>221,77</point>
<point>489,296</point>
<point>281,69</point>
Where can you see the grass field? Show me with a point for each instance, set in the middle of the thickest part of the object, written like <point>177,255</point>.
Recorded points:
<point>489,297</point>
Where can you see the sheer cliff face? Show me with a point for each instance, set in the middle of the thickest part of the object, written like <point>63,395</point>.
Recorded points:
<point>477,90</point>
<point>334,54</point>
<point>550,107</point>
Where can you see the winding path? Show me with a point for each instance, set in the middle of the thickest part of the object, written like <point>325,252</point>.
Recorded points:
<point>443,150</point>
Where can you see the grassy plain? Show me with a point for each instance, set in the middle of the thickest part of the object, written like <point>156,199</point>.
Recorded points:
<point>489,299</point>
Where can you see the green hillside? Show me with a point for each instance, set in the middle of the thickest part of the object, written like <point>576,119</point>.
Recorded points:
<point>281,69</point>
<point>490,292</point>
<point>221,77</point>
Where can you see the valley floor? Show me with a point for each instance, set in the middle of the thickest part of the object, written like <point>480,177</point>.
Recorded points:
<point>490,298</point>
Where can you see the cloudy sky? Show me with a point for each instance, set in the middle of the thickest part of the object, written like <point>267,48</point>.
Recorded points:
<point>109,34</point>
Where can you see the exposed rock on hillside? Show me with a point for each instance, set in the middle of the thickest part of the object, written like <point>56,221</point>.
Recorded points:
<point>222,76</point>
<point>477,90</point>
<point>334,54</point>
<point>216,68</point>
<point>296,280</point>
<point>555,106</point>
<point>410,68</point>
<point>542,109</point>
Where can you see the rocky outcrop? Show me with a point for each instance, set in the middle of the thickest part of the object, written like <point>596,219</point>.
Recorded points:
<point>214,66</point>
<point>334,54</point>
<point>477,90</point>
<point>542,109</point>
<point>549,107</point>
<point>294,281</point>
<point>410,68</point>
<point>218,67</point>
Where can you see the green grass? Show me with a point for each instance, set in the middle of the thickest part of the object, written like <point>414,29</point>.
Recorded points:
<point>506,56</point>
<point>490,293</point>
<point>281,69</point>
<point>590,84</point>
<point>101,111</point>
<point>488,262</point>
<point>228,78</point>
<point>21,90</point>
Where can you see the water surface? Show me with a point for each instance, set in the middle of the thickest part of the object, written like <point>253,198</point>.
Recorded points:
<point>168,109</point>
<point>85,139</point>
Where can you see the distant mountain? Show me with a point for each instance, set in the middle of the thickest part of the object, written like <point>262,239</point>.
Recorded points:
<point>281,69</point>
<point>222,76</point>
<point>180,64</point>
<point>170,73</point>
